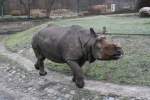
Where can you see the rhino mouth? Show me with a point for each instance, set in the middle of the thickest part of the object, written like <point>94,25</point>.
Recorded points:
<point>113,57</point>
<point>117,55</point>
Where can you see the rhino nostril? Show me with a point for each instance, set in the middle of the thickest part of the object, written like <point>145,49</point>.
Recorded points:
<point>118,52</point>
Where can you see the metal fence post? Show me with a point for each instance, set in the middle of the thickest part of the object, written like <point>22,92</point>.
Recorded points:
<point>2,11</point>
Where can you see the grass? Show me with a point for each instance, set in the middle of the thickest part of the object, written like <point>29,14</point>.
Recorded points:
<point>125,25</point>
<point>11,17</point>
<point>22,39</point>
<point>7,18</point>
<point>134,68</point>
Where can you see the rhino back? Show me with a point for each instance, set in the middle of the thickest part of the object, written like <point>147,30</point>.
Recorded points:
<point>72,43</point>
<point>60,43</point>
<point>47,41</point>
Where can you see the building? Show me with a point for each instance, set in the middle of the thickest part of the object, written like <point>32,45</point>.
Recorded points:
<point>122,5</point>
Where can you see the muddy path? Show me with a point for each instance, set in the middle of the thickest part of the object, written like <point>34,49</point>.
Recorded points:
<point>18,76</point>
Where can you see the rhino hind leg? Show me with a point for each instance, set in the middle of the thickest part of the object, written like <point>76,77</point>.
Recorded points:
<point>40,61</point>
<point>39,65</point>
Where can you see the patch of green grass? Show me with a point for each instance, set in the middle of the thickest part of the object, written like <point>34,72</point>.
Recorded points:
<point>123,24</point>
<point>22,39</point>
<point>63,68</point>
<point>129,70</point>
<point>11,17</point>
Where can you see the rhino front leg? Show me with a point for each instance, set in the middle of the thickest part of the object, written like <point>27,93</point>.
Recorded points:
<point>40,58</point>
<point>81,63</point>
<point>77,73</point>
<point>40,65</point>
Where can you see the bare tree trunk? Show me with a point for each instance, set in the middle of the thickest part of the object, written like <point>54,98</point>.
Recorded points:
<point>2,11</point>
<point>2,7</point>
<point>78,7</point>
<point>26,6</point>
<point>29,8</point>
<point>49,6</point>
<point>89,3</point>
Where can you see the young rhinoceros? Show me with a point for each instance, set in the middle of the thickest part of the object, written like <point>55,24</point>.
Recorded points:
<point>74,46</point>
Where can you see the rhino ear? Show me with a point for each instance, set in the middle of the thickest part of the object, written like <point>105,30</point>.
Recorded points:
<point>93,32</point>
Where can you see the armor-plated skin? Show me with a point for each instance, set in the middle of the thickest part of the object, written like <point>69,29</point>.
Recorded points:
<point>74,46</point>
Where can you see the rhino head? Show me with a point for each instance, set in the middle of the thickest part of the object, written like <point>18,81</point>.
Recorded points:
<point>104,49</point>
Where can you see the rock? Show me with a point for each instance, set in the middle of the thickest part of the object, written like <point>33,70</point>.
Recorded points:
<point>144,12</point>
<point>30,88</point>
<point>67,95</point>
<point>51,91</point>
<point>13,72</point>
<point>72,92</point>
<point>109,98</point>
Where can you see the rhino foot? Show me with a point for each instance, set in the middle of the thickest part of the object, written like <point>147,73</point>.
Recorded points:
<point>73,79</point>
<point>80,83</point>
<point>43,73</point>
<point>36,67</point>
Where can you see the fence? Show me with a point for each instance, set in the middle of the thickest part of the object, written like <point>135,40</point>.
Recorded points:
<point>74,5</point>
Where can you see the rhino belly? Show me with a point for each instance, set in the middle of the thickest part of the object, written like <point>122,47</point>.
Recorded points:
<point>51,52</point>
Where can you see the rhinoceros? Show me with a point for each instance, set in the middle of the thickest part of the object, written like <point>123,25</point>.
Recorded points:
<point>74,46</point>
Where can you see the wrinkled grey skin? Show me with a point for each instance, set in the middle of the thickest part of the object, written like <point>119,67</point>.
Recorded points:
<point>72,45</point>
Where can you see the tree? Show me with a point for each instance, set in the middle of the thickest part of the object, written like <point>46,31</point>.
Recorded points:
<point>142,3</point>
<point>27,6</point>
<point>78,6</point>
<point>2,6</point>
<point>49,5</point>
